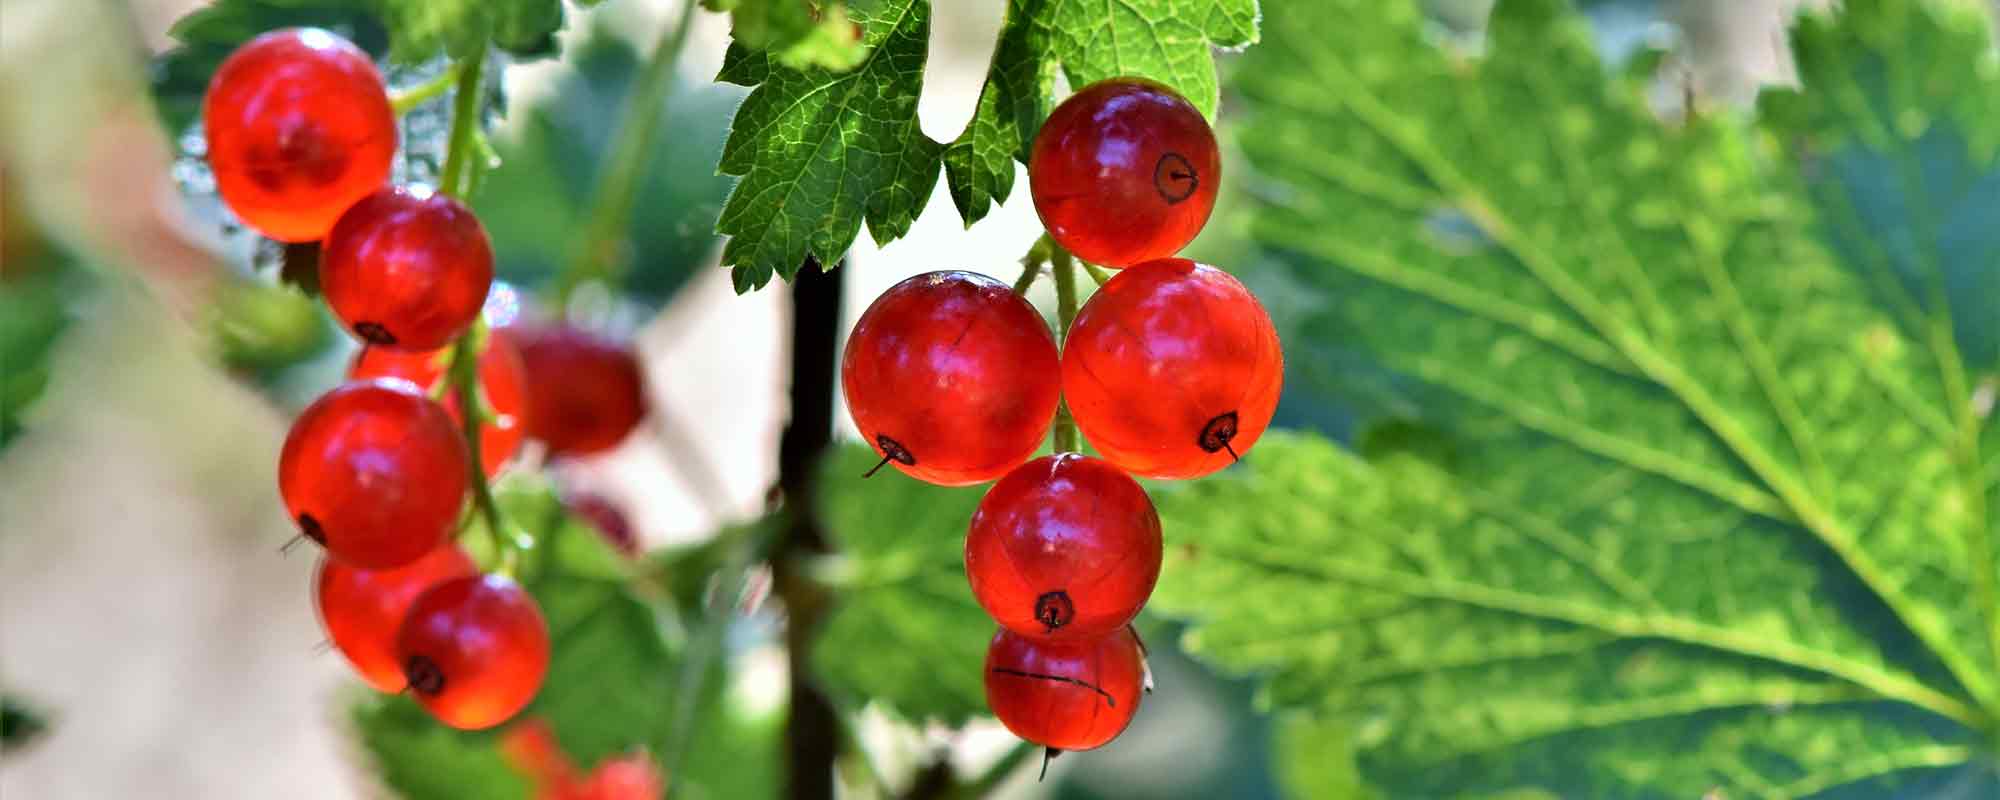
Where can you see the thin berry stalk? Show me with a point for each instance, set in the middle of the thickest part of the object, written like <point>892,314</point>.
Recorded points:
<point>1065,437</point>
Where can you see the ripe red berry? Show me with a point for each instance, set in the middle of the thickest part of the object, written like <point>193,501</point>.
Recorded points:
<point>1066,695</point>
<point>585,393</point>
<point>363,608</point>
<point>952,376</point>
<point>1172,369</point>
<point>299,127</point>
<point>474,650</point>
<point>1064,547</point>
<point>374,471</point>
<point>1124,171</point>
<point>501,378</point>
<point>406,267</point>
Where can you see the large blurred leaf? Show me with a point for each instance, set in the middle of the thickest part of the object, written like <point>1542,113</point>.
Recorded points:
<point>423,760</point>
<point>798,33</point>
<point>553,146</point>
<point>38,300</point>
<point>1166,40</point>
<point>1675,483</point>
<point>907,632</point>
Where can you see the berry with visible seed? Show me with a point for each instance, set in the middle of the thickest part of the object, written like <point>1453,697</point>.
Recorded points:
<point>406,267</point>
<point>1064,547</point>
<point>1124,171</point>
<point>375,472</point>
<point>474,650</point>
<point>362,608</point>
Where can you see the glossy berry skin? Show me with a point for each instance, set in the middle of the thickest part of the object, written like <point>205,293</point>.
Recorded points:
<point>474,650</point>
<point>406,268</point>
<point>1066,695</point>
<point>501,378</point>
<point>362,609</point>
<point>1064,547</point>
<point>376,472</point>
<point>1172,369</point>
<point>952,377</point>
<point>1124,171</point>
<point>299,127</point>
<point>585,392</point>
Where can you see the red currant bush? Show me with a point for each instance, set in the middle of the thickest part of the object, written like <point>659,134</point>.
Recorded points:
<point>474,650</point>
<point>952,377</point>
<point>1124,171</point>
<point>501,377</point>
<point>585,393</point>
<point>1064,547</point>
<point>362,608</point>
<point>1172,369</point>
<point>299,127</point>
<point>376,472</point>
<point>406,267</point>
<point>1065,695</point>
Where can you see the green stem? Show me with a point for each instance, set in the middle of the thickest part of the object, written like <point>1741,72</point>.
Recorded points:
<point>596,255</point>
<point>1030,270</point>
<point>463,372</point>
<point>1097,273</point>
<point>1066,439</point>
<point>452,180</point>
<point>407,100</point>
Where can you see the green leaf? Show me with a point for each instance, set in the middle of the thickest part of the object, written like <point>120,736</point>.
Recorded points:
<point>799,33</point>
<point>38,298</point>
<point>421,28</point>
<point>818,150</point>
<point>19,724</point>
<point>906,632</point>
<point>423,760</point>
<point>1670,473</point>
<point>552,147</point>
<point>1167,40</point>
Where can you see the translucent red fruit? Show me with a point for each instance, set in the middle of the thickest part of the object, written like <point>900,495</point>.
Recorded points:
<point>406,267</point>
<point>1172,369</point>
<point>362,608</point>
<point>1124,171</point>
<point>1064,547</point>
<point>951,376</point>
<point>374,471</point>
<point>585,393</point>
<point>474,650</point>
<point>299,127</point>
<point>501,378</point>
<point>1066,695</point>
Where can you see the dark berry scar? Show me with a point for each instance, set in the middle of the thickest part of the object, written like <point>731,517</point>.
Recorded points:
<point>1174,177</point>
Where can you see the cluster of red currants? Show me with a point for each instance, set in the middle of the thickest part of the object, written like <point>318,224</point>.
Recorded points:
<point>1171,370</point>
<point>301,133</point>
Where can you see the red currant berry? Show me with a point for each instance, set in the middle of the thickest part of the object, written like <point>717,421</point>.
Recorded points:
<point>1064,547</point>
<point>1172,369</point>
<point>375,472</point>
<point>609,521</point>
<point>299,127</point>
<point>1124,171</point>
<point>585,393</point>
<point>406,267</point>
<point>501,378</point>
<point>952,376</point>
<point>362,608</point>
<point>1065,695</point>
<point>474,650</point>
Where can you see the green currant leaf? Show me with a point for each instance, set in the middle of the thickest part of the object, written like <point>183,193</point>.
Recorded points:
<point>1170,41</point>
<point>423,760</point>
<point>1673,464</point>
<point>421,28</point>
<point>798,33</point>
<point>38,300</point>
<point>553,146</point>
<point>20,723</point>
<point>818,151</point>
<point>906,633</point>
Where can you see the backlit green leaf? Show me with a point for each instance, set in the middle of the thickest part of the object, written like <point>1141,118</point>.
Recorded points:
<point>798,33</point>
<point>1671,471</point>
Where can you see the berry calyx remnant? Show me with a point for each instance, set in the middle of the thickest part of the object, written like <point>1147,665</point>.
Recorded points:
<point>406,267</point>
<point>362,609</point>
<point>474,650</point>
